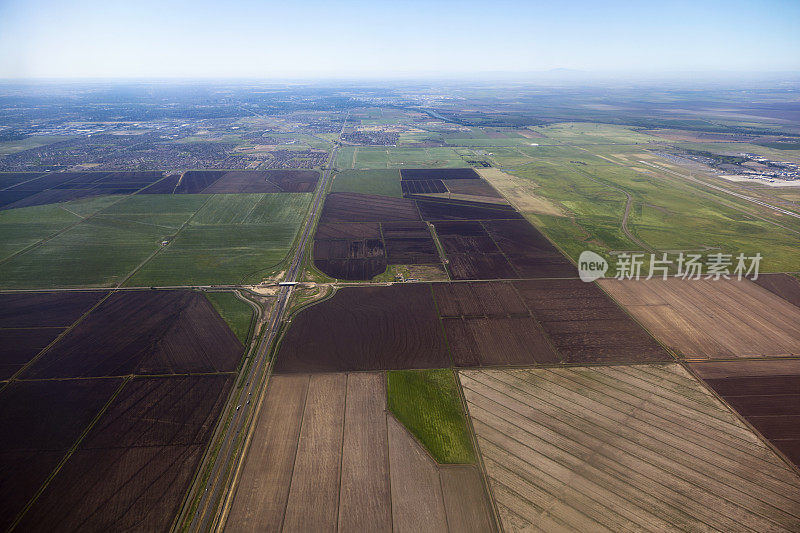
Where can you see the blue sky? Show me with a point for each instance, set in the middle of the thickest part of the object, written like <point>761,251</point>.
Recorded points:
<point>245,38</point>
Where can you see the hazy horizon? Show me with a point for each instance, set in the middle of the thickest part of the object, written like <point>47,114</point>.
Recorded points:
<point>366,40</point>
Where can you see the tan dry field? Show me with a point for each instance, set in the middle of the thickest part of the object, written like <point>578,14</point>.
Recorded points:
<point>708,319</point>
<point>521,193</point>
<point>326,455</point>
<point>640,447</point>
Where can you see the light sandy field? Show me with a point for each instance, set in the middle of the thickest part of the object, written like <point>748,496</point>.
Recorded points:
<point>519,192</point>
<point>327,456</point>
<point>708,319</point>
<point>626,448</point>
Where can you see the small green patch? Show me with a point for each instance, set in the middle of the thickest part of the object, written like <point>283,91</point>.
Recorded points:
<point>238,314</point>
<point>428,404</point>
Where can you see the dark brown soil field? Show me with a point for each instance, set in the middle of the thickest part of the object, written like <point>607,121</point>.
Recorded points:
<point>438,174</point>
<point>484,266</point>
<point>133,468</point>
<point>585,325</point>
<point>766,393</point>
<point>41,420</point>
<point>422,187</point>
<point>476,187</point>
<point>195,181</point>
<point>45,309</point>
<point>294,180</point>
<point>784,285</point>
<point>352,269</point>
<point>350,259</point>
<point>370,328</point>
<point>497,341</point>
<point>242,182</point>
<point>355,207</point>
<point>528,251</point>
<point>366,230</point>
<point>165,186</point>
<point>405,230</point>
<point>462,210</point>
<point>144,332</point>
<point>478,299</point>
<point>21,345</point>
<point>65,186</point>
<point>411,251</point>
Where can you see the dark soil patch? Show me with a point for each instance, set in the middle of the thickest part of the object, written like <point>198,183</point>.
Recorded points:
<point>461,210</point>
<point>422,187</point>
<point>144,332</point>
<point>22,345</point>
<point>472,188</point>
<point>45,309</point>
<point>355,207</point>
<point>438,174</point>
<point>784,285</point>
<point>370,328</point>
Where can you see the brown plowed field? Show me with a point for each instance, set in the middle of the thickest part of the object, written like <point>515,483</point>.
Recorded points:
<point>45,309</point>
<point>707,319</point>
<point>117,489</point>
<point>369,328</point>
<point>242,182</point>
<point>144,332</point>
<point>476,187</point>
<point>438,174</point>
<point>497,342</point>
<point>325,442</point>
<point>478,299</point>
<point>484,266</point>
<point>766,393</point>
<point>352,269</point>
<point>355,207</point>
<point>411,251</point>
<point>165,186</point>
<point>585,325</point>
<point>411,187</point>
<point>405,230</point>
<point>135,465</point>
<point>528,251</point>
<point>784,285</point>
<point>294,180</point>
<point>365,230</point>
<point>41,420</point>
<point>21,345</point>
<point>195,181</point>
<point>463,210</point>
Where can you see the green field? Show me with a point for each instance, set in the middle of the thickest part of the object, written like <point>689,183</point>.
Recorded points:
<point>100,242</point>
<point>383,182</point>
<point>427,402</point>
<point>238,314</point>
<point>36,141</point>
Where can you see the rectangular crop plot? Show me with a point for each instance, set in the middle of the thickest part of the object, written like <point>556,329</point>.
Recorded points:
<point>20,345</point>
<point>766,393</point>
<point>497,341</point>
<point>471,252</point>
<point>411,251</point>
<point>195,181</point>
<point>528,251</point>
<point>371,328</point>
<point>585,325</point>
<point>478,299</point>
<point>708,319</point>
<point>350,259</point>
<point>245,181</point>
<point>144,332</point>
<point>463,210</point>
<point>365,230</point>
<point>41,420</point>
<point>45,309</point>
<point>623,448</point>
<point>422,187</point>
<point>476,187</point>
<point>354,207</point>
<point>135,465</point>
<point>438,174</point>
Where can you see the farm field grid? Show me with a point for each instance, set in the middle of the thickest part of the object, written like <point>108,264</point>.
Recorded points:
<point>307,308</point>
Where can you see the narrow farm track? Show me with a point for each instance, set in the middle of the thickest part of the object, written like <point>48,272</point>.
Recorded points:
<point>202,508</point>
